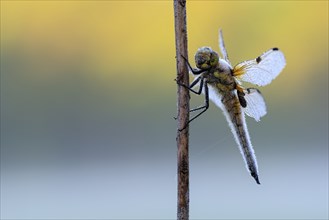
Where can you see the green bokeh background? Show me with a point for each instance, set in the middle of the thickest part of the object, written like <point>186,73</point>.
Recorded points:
<point>88,99</point>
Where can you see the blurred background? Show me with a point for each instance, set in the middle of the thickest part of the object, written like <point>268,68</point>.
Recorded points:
<point>88,99</point>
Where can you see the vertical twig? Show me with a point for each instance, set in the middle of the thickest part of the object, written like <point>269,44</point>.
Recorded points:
<point>183,111</point>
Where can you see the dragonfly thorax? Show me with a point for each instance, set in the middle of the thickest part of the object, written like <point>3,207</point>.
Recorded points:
<point>224,66</point>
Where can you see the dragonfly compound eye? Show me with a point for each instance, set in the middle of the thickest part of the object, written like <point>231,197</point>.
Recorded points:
<point>206,58</point>
<point>214,58</point>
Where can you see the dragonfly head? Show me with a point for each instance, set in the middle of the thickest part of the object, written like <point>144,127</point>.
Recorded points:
<point>206,58</point>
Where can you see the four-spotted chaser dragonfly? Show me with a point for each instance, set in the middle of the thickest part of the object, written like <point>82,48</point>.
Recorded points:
<point>221,82</point>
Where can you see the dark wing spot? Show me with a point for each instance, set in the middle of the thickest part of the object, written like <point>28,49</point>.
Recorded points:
<point>249,90</point>
<point>275,48</point>
<point>258,59</point>
<point>257,90</point>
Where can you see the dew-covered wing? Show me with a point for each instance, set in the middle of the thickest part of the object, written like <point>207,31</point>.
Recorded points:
<point>256,107</point>
<point>262,70</point>
<point>222,46</point>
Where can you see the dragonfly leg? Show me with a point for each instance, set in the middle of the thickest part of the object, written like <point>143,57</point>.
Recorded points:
<point>193,70</point>
<point>204,107</point>
<point>201,79</point>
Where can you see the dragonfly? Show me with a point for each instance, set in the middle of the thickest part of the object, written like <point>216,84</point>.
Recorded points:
<point>220,82</point>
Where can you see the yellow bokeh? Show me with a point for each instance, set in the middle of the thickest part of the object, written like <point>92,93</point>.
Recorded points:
<point>110,38</point>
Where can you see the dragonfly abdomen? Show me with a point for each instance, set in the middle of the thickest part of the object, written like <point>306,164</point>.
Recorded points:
<point>236,120</point>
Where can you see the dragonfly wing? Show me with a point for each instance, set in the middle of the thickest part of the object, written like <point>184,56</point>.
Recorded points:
<point>222,46</point>
<point>262,70</point>
<point>215,97</point>
<point>256,107</point>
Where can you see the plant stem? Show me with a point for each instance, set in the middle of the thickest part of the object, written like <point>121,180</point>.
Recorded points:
<point>183,108</point>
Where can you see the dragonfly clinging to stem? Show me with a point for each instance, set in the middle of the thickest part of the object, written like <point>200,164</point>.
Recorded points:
<point>220,82</point>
